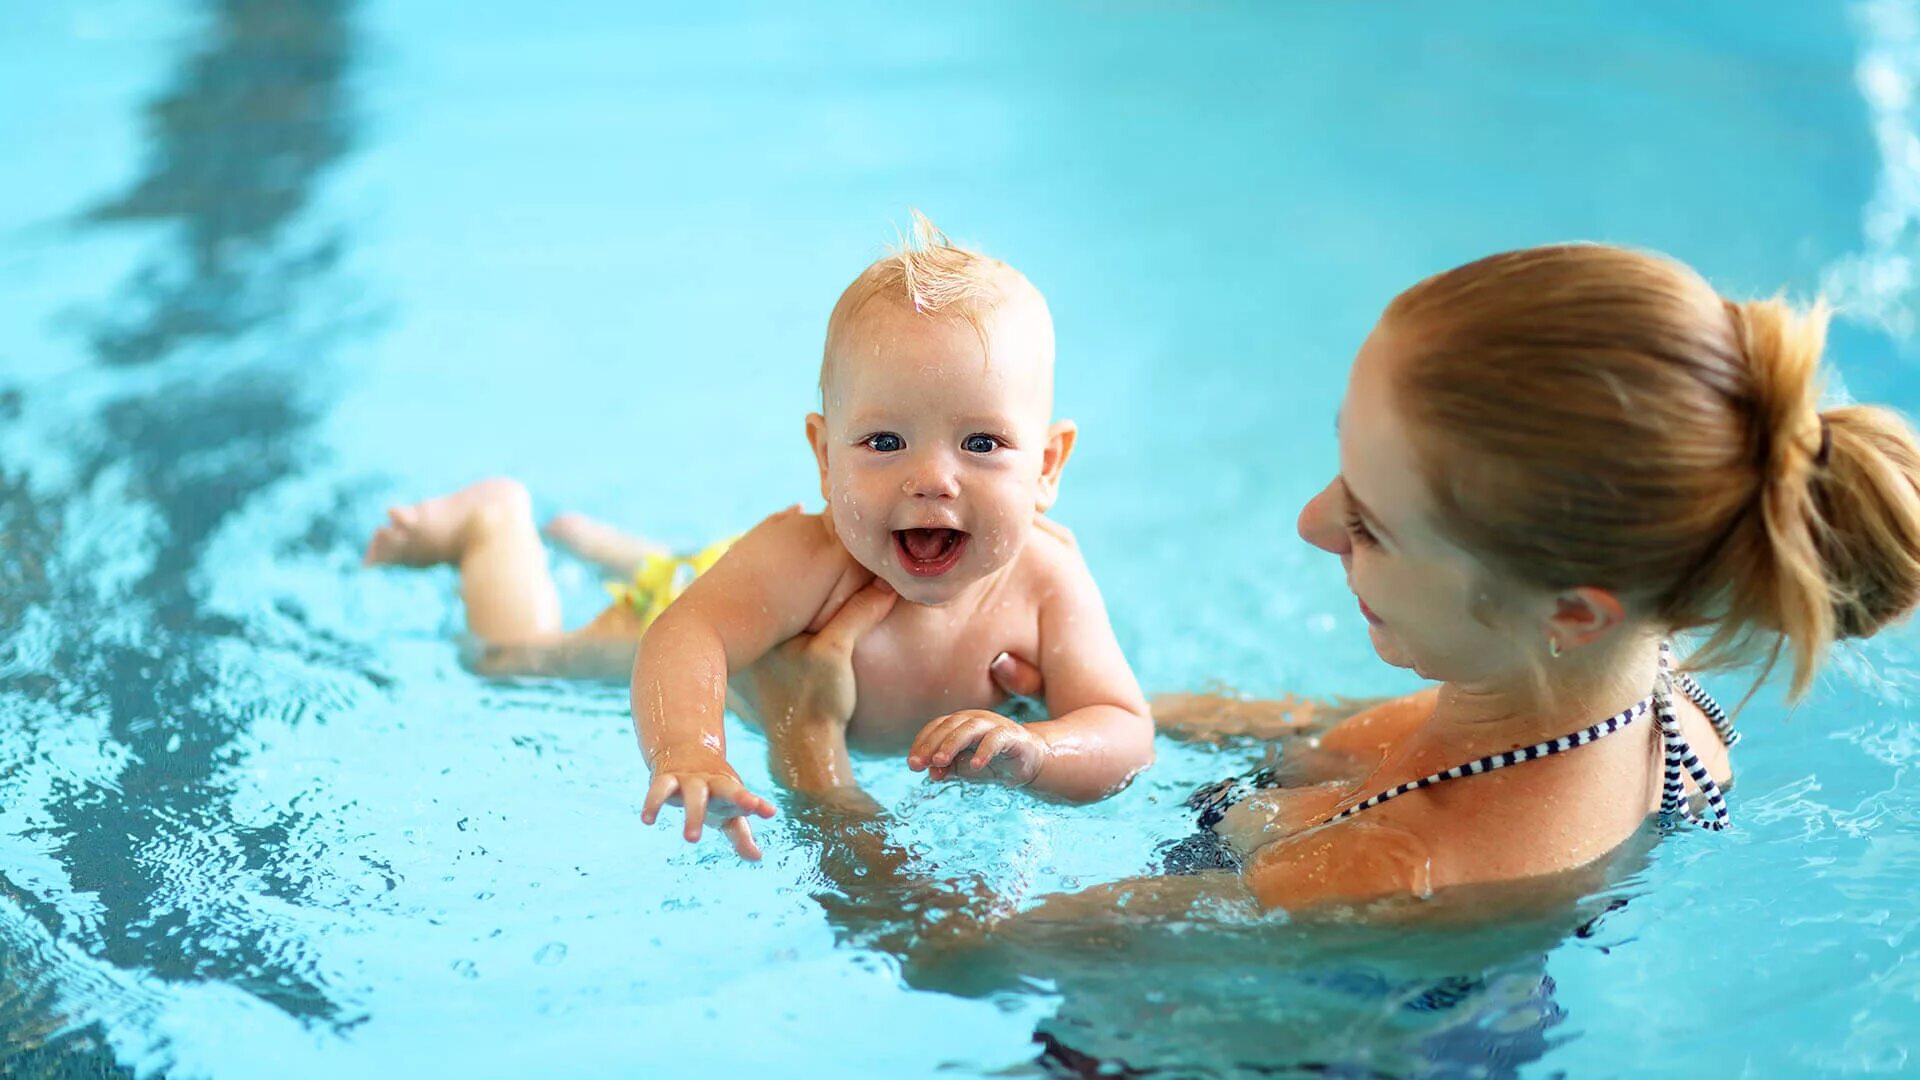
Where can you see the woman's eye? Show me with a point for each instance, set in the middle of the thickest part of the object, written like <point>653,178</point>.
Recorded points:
<point>980,444</point>
<point>886,442</point>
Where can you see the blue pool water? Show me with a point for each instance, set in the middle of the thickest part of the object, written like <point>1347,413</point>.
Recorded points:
<point>269,265</point>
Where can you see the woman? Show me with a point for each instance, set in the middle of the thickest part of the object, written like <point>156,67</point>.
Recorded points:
<point>1551,462</point>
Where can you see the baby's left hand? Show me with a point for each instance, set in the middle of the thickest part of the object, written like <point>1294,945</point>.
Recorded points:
<point>978,745</point>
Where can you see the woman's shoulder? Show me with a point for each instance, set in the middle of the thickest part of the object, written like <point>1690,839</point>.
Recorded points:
<point>1373,730</point>
<point>1501,826</point>
<point>1544,816</point>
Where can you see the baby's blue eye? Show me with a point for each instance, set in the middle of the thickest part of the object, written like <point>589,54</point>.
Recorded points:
<point>980,444</point>
<point>886,442</point>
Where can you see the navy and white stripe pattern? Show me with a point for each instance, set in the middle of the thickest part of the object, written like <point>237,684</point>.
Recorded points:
<point>1716,715</point>
<point>1678,754</point>
<point>1491,762</point>
<point>1673,793</point>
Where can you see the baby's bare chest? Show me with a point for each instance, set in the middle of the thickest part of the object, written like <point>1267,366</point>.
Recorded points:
<point>916,669</point>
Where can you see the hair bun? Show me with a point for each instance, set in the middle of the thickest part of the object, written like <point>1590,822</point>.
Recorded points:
<point>1867,498</point>
<point>1782,349</point>
<point>1840,506</point>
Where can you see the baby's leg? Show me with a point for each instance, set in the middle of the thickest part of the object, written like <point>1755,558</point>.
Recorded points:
<point>487,531</point>
<point>602,649</point>
<point>596,542</point>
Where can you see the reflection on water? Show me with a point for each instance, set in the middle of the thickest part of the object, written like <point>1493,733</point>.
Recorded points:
<point>248,803</point>
<point>236,147</point>
<point>236,144</point>
<point>1182,976</point>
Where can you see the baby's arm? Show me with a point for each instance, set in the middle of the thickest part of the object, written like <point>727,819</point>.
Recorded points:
<point>766,589</point>
<point>1101,733</point>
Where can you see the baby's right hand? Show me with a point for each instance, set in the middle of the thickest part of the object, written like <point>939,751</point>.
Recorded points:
<point>709,793</point>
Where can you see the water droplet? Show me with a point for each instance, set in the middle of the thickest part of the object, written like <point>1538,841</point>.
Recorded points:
<point>550,954</point>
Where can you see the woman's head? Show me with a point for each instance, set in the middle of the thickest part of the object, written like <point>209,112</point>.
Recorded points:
<point>1606,440</point>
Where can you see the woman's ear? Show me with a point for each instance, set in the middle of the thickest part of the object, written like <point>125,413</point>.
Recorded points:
<point>1060,439</point>
<point>1583,616</point>
<point>817,439</point>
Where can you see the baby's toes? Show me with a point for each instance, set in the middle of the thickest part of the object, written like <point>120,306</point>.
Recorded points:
<point>382,548</point>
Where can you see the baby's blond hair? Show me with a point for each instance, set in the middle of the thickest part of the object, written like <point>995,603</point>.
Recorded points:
<point>929,274</point>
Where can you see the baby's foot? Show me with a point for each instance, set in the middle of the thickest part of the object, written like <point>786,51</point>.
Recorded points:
<point>600,543</point>
<point>440,530</point>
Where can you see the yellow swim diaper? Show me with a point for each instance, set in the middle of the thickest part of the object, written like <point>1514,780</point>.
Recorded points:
<point>662,578</point>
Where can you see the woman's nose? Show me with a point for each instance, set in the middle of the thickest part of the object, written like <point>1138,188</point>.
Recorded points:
<point>1320,523</point>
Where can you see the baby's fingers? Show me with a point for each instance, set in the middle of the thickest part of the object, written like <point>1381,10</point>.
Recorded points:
<point>961,736</point>
<point>664,787</point>
<point>990,748</point>
<point>732,800</point>
<point>741,833</point>
<point>694,791</point>
<point>925,743</point>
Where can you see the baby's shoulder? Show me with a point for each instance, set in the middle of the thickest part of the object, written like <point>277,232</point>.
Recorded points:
<point>1053,553</point>
<point>799,550</point>
<point>805,546</point>
<point>1054,571</point>
<point>793,533</point>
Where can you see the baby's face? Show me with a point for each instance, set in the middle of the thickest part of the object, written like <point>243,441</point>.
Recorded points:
<point>933,457</point>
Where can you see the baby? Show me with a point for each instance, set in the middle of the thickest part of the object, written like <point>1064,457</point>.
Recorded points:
<point>936,456</point>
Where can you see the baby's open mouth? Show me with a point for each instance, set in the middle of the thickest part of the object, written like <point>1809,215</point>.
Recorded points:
<point>929,552</point>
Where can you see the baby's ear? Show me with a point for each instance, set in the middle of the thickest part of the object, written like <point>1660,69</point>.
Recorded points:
<point>1060,439</point>
<point>817,439</point>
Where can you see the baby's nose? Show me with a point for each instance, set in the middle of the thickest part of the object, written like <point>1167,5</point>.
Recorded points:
<point>931,480</point>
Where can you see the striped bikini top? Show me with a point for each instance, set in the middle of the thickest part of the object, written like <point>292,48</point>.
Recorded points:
<point>1679,756</point>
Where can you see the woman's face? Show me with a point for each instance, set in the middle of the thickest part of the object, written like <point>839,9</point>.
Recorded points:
<point>1429,605</point>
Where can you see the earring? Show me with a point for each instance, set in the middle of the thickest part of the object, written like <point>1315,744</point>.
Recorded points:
<point>1553,647</point>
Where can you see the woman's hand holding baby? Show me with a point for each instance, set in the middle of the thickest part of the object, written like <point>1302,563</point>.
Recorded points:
<point>978,745</point>
<point>807,692</point>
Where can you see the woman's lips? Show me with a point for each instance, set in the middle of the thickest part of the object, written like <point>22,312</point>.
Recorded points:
<point>929,552</point>
<point>1368,612</point>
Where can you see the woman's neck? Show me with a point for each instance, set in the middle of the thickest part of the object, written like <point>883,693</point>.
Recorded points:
<point>1580,688</point>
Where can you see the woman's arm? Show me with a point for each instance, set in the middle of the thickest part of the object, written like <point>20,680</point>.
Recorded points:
<point>807,691</point>
<point>1342,865</point>
<point>1217,718</point>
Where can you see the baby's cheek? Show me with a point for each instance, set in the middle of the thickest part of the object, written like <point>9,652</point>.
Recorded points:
<point>1003,534</point>
<point>861,523</point>
<point>852,514</point>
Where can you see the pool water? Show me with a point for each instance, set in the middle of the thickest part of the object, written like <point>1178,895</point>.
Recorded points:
<point>268,266</point>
